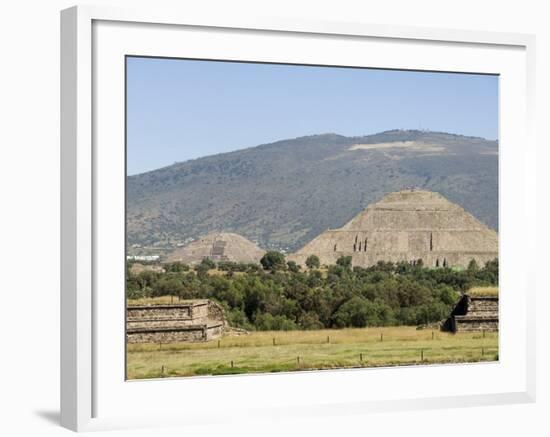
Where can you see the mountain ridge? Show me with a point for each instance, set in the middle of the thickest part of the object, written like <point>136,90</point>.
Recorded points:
<point>325,134</point>
<point>283,193</point>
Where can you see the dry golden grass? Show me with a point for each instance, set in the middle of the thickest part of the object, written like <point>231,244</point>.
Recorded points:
<point>159,300</point>
<point>483,291</point>
<point>276,351</point>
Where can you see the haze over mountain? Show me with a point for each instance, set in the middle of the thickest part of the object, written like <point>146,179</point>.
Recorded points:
<point>283,194</point>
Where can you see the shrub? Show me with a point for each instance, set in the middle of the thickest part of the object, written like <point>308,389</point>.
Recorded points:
<point>176,267</point>
<point>208,264</point>
<point>268,322</point>
<point>312,262</point>
<point>344,261</point>
<point>273,261</point>
<point>310,320</point>
<point>293,267</point>
<point>286,298</point>
<point>356,312</point>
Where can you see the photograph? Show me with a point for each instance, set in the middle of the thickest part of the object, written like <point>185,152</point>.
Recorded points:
<point>281,218</point>
<point>289,217</point>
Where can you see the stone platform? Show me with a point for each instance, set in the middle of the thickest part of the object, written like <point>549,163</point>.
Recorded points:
<point>188,321</point>
<point>474,314</point>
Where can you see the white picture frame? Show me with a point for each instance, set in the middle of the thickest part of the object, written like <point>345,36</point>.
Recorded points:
<point>94,394</point>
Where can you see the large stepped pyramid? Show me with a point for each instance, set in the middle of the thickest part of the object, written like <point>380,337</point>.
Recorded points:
<point>408,225</point>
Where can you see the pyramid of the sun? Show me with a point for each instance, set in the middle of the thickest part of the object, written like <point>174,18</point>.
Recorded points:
<point>407,226</point>
<point>218,246</point>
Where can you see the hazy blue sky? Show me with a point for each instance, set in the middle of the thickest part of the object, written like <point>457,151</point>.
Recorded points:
<point>180,109</point>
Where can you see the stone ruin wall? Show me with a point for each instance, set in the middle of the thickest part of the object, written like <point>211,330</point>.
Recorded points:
<point>215,312</point>
<point>184,322</point>
<point>474,314</point>
<point>481,325</point>
<point>189,334</point>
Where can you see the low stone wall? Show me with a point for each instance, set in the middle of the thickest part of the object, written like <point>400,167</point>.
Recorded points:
<point>189,334</point>
<point>214,331</point>
<point>215,312</point>
<point>190,310</point>
<point>153,324</point>
<point>475,324</point>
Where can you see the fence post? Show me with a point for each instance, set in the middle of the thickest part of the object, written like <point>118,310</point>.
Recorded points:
<point>361,357</point>
<point>218,344</point>
<point>421,354</point>
<point>298,360</point>
<point>328,339</point>
<point>273,341</point>
<point>432,335</point>
<point>482,351</point>
<point>162,371</point>
<point>231,363</point>
<point>381,337</point>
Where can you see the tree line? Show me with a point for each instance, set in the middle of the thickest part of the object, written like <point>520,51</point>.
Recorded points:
<point>279,295</point>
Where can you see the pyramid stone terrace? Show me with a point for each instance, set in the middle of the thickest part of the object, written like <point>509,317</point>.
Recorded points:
<point>188,321</point>
<point>474,314</point>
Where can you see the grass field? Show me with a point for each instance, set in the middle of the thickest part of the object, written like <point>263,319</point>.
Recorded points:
<point>157,300</point>
<point>277,351</point>
<point>483,291</point>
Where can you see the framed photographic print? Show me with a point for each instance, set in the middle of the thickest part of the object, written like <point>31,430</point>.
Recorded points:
<point>264,207</point>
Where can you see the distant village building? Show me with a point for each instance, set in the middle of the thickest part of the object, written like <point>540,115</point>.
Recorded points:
<point>408,225</point>
<point>143,257</point>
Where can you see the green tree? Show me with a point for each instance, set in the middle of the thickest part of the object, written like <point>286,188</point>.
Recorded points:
<point>312,262</point>
<point>208,263</point>
<point>447,295</point>
<point>176,267</point>
<point>356,312</point>
<point>268,322</point>
<point>310,320</point>
<point>293,267</point>
<point>168,286</point>
<point>287,298</point>
<point>472,266</point>
<point>344,261</point>
<point>273,261</point>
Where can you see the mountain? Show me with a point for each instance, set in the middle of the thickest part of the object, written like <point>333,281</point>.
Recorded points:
<point>282,195</point>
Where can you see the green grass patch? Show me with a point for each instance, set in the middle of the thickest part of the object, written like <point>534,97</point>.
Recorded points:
<point>309,350</point>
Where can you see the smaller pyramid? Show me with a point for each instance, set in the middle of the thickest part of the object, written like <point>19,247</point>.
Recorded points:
<point>408,225</point>
<point>218,246</point>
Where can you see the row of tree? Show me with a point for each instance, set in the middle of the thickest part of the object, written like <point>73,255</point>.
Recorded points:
<point>279,295</point>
